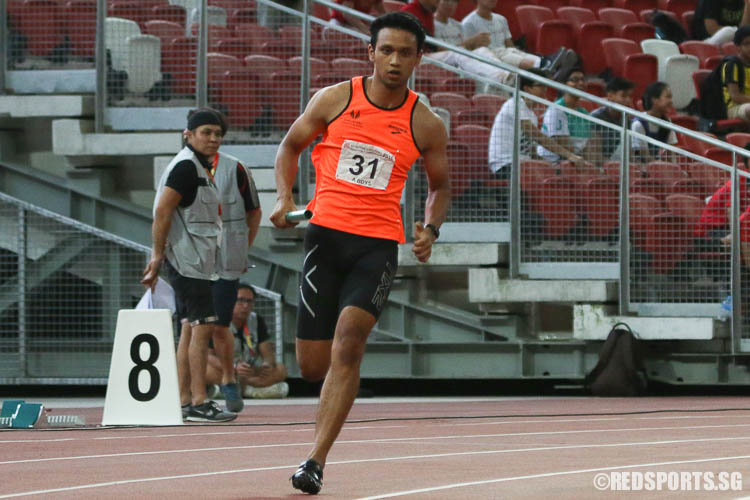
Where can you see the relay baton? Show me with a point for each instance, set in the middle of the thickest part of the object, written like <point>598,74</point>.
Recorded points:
<point>298,215</point>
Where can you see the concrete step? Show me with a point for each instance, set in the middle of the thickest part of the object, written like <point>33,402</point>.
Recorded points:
<point>489,285</point>
<point>593,322</point>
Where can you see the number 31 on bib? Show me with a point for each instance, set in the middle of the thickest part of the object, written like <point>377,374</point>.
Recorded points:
<point>365,165</point>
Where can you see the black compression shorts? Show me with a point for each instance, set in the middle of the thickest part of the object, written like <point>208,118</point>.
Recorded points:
<point>192,297</point>
<point>342,269</point>
<point>225,295</point>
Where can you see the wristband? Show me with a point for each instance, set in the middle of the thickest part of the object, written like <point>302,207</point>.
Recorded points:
<point>434,230</point>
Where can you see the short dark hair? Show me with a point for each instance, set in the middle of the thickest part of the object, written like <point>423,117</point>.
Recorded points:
<point>399,20</point>
<point>618,84</point>
<point>245,286</point>
<point>574,69</point>
<point>528,82</point>
<point>206,116</point>
<point>741,33</point>
<point>652,92</point>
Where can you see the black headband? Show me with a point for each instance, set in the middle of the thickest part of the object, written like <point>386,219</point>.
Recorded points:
<point>205,117</point>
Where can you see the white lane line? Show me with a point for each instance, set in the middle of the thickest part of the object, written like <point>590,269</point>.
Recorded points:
<point>582,420</point>
<point>389,459</point>
<point>200,434</point>
<point>410,439</point>
<point>551,474</point>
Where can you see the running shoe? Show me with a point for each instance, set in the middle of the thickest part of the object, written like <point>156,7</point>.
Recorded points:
<point>185,410</point>
<point>212,391</point>
<point>309,477</point>
<point>277,390</point>
<point>209,412</point>
<point>232,397</point>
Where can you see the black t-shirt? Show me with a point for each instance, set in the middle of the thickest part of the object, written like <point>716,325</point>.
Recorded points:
<point>724,12</point>
<point>610,136</point>
<point>184,179</point>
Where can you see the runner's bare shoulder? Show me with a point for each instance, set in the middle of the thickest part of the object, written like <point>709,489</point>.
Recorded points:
<point>332,100</point>
<point>428,128</point>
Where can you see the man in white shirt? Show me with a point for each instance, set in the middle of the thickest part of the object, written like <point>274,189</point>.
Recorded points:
<point>484,20</point>
<point>448,30</point>
<point>503,134</point>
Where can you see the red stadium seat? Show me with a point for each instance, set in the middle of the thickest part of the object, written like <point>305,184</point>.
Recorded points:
<point>473,117</point>
<point>641,69</point>
<point>42,25</point>
<point>263,65</point>
<point>594,5</point>
<point>257,34</point>
<point>451,101</point>
<point>702,50</point>
<point>643,207</point>
<point>283,95</point>
<point>686,206</point>
<point>80,19</point>
<point>635,6</point>
<point>687,21</point>
<point>554,34</point>
<point>507,9</point>
<point>429,78</point>
<point>667,239</point>
<point>458,85</point>
<point>551,4</point>
<point>683,120</point>
<point>165,30</point>
<point>728,49</point>
<point>168,12</point>
<point>602,205</point>
<point>711,178</point>
<point>178,59</point>
<point>554,199</point>
<point>241,16</point>
<point>529,19</point>
<point>351,67</point>
<point>317,66</point>
<point>135,11</point>
<point>459,168</point>
<point>576,16</point>
<point>235,47</point>
<point>677,7</point>
<point>616,50</point>
<point>475,138</point>
<point>637,32</point>
<point>617,17</point>
<point>589,45</point>
<point>739,139</point>
<point>664,171</point>
<point>242,108</point>
<point>489,102</point>
<point>690,187</point>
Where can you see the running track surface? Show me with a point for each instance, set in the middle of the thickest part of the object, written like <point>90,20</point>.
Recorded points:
<point>470,448</point>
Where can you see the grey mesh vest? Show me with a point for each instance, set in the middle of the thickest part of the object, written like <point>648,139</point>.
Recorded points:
<point>233,249</point>
<point>193,240</point>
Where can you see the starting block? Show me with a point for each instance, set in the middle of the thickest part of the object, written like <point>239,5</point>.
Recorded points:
<point>20,415</point>
<point>65,420</point>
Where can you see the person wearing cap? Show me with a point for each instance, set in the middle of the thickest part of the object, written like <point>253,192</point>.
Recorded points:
<point>187,235</point>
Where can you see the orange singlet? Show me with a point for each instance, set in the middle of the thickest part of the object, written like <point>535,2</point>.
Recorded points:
<point>361,167</point>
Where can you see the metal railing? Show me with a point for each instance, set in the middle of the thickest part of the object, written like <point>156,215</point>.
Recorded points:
<point>624,217</point>
<point>62,284</point>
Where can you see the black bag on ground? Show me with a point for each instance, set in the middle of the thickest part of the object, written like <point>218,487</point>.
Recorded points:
<point>620,370</point>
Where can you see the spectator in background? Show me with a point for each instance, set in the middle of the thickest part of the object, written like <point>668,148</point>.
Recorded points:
<point>657,102</point>
<point>448,30</point>
<point>502,134</point>
<point>186,237</point>
<point>716,21</point>
<point>484,20</point>
<point>424,11</point>
<point>254,352</point>
<point>734,77</point>
<point>568,130</point>
<point>618,91</point>
<point>374,7</point>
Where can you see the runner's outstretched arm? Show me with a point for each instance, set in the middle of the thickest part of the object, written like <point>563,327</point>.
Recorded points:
<point>432,138</point>
<point>324,105</point>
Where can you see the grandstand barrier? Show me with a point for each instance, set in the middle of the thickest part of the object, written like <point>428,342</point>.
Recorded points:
<point>629,214</point>
<point>64,283</point>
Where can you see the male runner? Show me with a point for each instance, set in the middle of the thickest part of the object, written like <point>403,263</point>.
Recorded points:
<point>374,128</point>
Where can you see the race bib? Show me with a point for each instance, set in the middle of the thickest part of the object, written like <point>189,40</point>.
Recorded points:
<point>365,165</point>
